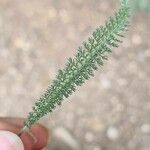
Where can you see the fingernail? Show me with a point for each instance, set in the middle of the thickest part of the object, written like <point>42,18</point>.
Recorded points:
<point>33,137</point>
<point>10,141</point>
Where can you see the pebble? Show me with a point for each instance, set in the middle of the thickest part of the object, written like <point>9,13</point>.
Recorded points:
<point>122,82</point>
<point>104,6</point>
<point>52,13</point>
<point>141,57</point>
<point>65,140</point>
<point>97,148</point>
<point>105,83</point>
<point>112,133</point>
<point>145,128</point>
<point>64,16</point>
<point>136,39</point>
<point>89,137</point>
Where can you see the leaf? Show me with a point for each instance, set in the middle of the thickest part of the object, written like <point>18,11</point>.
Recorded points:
<point>89,56</point>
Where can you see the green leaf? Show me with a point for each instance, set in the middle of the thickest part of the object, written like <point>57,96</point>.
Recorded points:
<point>89,57</point>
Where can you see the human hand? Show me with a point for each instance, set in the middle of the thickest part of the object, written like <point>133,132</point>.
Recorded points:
<point>36,139</point>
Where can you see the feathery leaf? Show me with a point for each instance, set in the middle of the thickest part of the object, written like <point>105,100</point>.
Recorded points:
<point>80,68</point>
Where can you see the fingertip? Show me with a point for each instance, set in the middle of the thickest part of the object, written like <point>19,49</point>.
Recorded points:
<point>9,141</point>
<point>42,134</point>
<point>28,141</point>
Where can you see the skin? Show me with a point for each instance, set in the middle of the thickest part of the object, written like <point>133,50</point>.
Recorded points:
<point>40,133</point>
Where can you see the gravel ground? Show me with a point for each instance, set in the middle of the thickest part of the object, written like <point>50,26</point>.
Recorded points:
<point>111,111</point>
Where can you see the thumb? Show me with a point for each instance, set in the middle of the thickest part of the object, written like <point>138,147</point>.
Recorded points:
<point>10,141</point>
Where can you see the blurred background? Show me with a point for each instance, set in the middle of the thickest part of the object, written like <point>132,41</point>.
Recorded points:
<point>112,110</point>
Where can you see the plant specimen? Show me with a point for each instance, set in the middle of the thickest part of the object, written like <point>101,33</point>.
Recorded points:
<point>89,56</point>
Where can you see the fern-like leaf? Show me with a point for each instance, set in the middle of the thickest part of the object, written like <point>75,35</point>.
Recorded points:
<point>80,68</point>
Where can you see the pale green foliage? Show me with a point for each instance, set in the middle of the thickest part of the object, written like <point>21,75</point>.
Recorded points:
<point>124,2</point>
<point>142,5</point>
<point>80,68</point>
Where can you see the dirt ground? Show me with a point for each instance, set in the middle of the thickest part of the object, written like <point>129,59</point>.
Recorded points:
<point>112,110</point>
